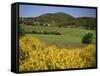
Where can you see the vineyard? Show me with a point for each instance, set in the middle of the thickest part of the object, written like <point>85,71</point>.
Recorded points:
<point>34,55</point>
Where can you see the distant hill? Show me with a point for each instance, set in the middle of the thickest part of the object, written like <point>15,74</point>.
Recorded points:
<point>60,19</point>
<point>56,16</point>
<point>87,22</point>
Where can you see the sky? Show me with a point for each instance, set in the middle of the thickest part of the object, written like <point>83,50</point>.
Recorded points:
<point>37,10</point>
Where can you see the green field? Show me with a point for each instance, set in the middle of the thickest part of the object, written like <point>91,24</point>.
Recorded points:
<point>70,37</point>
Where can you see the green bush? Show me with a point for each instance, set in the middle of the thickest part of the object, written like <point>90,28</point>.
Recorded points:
<point>87,38</point>
<point>46,32</point>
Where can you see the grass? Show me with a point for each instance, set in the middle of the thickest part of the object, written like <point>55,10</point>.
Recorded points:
<point>69,36</point>
<point>59,40</point>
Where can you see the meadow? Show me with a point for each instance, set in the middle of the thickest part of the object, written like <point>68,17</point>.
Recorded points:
<point>36,56</point>
<point>69,38</point>
<point>51,48</point>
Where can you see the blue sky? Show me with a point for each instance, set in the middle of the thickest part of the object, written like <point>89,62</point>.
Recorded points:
<point>36,10</point>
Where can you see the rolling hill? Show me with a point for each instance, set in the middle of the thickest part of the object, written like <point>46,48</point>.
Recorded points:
<point>59,19</point>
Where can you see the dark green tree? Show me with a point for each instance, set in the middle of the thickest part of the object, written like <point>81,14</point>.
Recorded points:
<point>87,38</point>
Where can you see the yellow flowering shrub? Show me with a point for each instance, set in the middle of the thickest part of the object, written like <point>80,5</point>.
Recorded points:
<point>36,56</point>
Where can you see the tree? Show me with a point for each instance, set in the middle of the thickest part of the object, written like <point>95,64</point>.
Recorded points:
<point>87,38</point>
